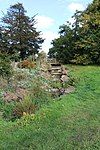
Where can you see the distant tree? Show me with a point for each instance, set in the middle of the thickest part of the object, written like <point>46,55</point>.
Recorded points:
<point>19,35</point>
<point>88,43</point>
<point>63,46</point>
<point>80,43</point>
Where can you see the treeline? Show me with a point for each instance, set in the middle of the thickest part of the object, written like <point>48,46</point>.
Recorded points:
<point>19,37</point>
<point>79,43</point>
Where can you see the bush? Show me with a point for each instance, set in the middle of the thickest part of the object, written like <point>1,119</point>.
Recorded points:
<point>15,110</point>
<point>82,59</point>
<point>39,92</point>
<point>26,64</point>
<point>34,85</point>
<point>5,66</point>
<point>26,106</point>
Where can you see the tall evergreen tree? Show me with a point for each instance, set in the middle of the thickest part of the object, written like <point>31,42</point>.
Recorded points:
<point>19,35</point>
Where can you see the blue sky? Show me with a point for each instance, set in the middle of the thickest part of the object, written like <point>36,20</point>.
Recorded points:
<point>51,14</point>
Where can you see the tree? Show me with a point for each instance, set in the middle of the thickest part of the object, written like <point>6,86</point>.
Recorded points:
<point>88,43</point>
<point>62,48</point>
<point>80,43</point>
<point>19,35</point>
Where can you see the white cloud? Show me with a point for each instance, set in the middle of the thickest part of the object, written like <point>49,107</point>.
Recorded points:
<point>75,6</point>
<point>49,36</point>
<point>44,22</point>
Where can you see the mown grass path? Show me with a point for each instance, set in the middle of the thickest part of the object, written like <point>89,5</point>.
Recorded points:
<point>71,123</point>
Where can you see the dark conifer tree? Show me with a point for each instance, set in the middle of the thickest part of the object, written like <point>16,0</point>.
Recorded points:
<point>19,35</point>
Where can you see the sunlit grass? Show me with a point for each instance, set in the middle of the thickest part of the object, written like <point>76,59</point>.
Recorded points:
<point>70,123</point>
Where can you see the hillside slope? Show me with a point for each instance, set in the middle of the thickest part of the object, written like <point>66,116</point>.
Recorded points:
<point>70,123</point>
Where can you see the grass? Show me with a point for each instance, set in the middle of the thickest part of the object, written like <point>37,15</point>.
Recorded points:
<point>71,123</point>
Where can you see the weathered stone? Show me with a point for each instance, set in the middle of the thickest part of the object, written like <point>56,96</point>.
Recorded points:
<point>70,89</point>
<point>18,95</point>
<point>64,71</point>
<point>64,78</point>
<point>9,96</point>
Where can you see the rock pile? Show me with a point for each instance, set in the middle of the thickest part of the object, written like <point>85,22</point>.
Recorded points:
<point>60,73</point>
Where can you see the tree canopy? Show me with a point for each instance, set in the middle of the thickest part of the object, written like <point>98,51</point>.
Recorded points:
<point>19,37</point>
<point>80,42</point>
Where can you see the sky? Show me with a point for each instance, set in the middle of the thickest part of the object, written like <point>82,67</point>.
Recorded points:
<point>50,15</point>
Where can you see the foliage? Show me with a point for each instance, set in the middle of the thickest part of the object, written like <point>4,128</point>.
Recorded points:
<point>35,83</point>
<point>23,39</point>
<point>14,110</point>
<point>6,70</point>
<point>7,111</point>
<point>89,35</point>
<point>62,48</point>
<point>81,59</point>
<point>79,43</point>
<point>26,64</point>
<point>56,84</point>
<point>39,91</point>
<point>24,82</point>
<point>71,123</point>
<point>26,106</point>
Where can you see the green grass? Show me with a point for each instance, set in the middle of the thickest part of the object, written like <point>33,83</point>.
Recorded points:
<point>71,123</point>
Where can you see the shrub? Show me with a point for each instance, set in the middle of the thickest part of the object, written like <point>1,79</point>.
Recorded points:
<point>26,106</point>
<point>15,110</point>
<point>26,64</point>
<point>39,92</point>
<point>20,75</point>
<point>82,59</point>
<point>5,66</point>
<point>56,84</point>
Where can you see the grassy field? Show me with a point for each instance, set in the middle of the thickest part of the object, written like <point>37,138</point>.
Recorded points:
<point>70,123</point>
